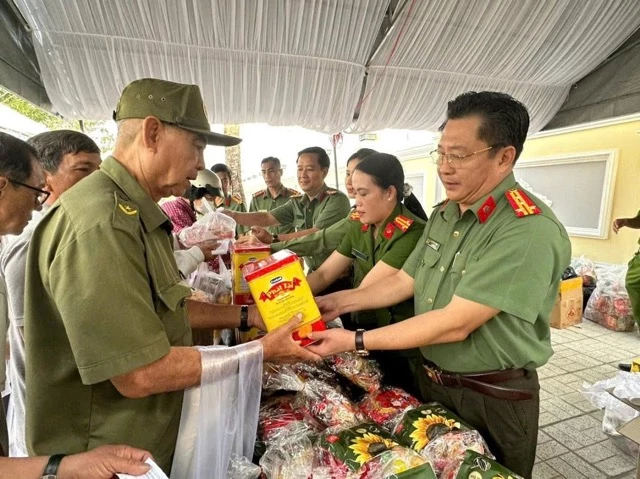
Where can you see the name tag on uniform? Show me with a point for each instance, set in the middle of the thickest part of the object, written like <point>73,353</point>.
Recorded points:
<point>434,245</point>
<point>359,254</point>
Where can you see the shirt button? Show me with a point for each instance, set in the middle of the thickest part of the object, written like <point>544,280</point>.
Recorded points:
<point>442,269</point>
<point>430,301</point>
<point>463,272</point>
<point>456,234</point>
<point>422,263</point>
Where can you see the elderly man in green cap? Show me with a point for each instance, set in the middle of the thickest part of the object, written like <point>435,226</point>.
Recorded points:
<point>107,317</point>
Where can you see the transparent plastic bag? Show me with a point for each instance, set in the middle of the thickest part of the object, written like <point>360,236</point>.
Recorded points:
<point>213,226</point>
<point>386,406</point>
<point>216,286</point>
<point>293,377</point>
<point>450,448</point>
<point>616,413</point>
<point>290,455</point>
<point>242,468</point>
<point>397,462</point>
<point>220,417</point>
<point>584,267</point>
<point>609,303</point>
<point>362,372</point>
<point>328,405</point>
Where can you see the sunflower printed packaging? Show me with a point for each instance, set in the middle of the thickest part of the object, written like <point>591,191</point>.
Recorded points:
<point>280,290</point>
<point>477,466</point>
<point>425,423</point>
<point>348,450</point>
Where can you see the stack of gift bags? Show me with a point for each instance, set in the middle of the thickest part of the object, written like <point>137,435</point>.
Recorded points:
<point>337,420</point>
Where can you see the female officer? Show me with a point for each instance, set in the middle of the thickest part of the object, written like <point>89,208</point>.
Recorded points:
<point>381,234</point>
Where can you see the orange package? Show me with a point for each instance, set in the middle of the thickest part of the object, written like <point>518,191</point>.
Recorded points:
<point>280,290</point>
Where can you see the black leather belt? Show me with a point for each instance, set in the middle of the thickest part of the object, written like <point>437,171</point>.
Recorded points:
<point>484,383</point>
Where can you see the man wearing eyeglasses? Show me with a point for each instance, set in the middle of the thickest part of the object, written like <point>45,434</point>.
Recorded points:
<point>485,277</point>
<point>66,157</point>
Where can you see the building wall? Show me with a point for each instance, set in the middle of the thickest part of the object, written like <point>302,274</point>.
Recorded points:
<point>625,137</point>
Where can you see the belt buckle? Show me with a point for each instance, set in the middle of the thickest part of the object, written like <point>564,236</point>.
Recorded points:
<point>434,374</point>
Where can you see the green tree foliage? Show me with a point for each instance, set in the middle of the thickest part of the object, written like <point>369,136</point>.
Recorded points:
<point>97,130</point>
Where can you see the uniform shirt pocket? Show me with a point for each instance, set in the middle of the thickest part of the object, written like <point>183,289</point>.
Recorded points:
<point>171,306</point>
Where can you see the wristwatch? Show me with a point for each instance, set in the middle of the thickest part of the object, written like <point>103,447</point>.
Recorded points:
<point>360,349</point>
<point>51,469</point>
<point>244,319</point>
<point>274,238</point>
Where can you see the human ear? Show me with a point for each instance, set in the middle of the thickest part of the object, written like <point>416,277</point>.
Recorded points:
<point>152,130</point>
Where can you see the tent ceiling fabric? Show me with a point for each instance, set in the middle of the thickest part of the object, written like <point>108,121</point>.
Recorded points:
<point>303,62</point>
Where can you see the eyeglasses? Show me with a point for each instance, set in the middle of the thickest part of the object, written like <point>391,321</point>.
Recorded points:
<point>453,159</point>
<point>42,195</point>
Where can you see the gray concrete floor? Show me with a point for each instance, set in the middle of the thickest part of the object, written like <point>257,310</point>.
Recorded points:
<point>571,443</point>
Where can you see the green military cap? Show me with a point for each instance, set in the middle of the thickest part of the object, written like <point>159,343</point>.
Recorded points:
<point>175,103</point>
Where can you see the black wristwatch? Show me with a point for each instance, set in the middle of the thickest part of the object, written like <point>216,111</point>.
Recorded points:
<point>360,349</point>
<point>274,238</point>
<point>51,469</point>
<point>244,319</point>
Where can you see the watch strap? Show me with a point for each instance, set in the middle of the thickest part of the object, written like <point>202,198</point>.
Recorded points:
<point>244,318</point>
<point>51,469</point>
<point>360,348</point>
<point>274,238</point>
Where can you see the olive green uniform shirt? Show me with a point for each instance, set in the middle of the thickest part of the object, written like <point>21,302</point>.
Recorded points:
<point>491,256</point>
<point>329,207</point>
<point>103,297</point>
<point>327,239</point>
<point>393,244</point>
<point>262,201</point>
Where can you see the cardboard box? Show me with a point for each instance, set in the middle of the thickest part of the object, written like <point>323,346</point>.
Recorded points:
<point>568,308</point>
<point>631,430</point>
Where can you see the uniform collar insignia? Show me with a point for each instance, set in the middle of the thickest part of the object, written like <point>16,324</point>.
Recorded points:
<point>388,231</point>
<point>486,209</point>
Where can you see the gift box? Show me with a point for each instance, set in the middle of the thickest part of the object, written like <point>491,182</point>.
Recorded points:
<point>568,308</point>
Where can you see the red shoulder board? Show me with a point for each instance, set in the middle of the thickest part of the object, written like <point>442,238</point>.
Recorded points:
<point>294,193</point>
<point>354,216</point>
<point>219,201</point>
<point>521,203</point>
<point>365,227</point>
<point>402,223</point>
<point>237,198</point>
<point>259,193</point>
<point>330,191</point>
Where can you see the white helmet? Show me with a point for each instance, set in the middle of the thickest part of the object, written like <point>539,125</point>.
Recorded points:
<point>208,180</point>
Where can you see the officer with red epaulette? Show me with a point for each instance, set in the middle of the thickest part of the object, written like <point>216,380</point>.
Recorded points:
<point>274,195</point>
<point>381,234</point>
<point>484,277</point>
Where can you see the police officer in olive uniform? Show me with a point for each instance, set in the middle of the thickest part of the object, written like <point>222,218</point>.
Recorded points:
<point>318,208</point>
<point>230,201</point>
<point>377,244</point>
<point>485,277</point>
<point>274,195</point>
<point>632,280</point>
<point>106,325</point>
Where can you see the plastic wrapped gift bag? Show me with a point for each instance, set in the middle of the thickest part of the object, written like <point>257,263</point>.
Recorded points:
<point>220,418</point>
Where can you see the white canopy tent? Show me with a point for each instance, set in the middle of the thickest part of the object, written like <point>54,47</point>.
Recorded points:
<point>330,65</point>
